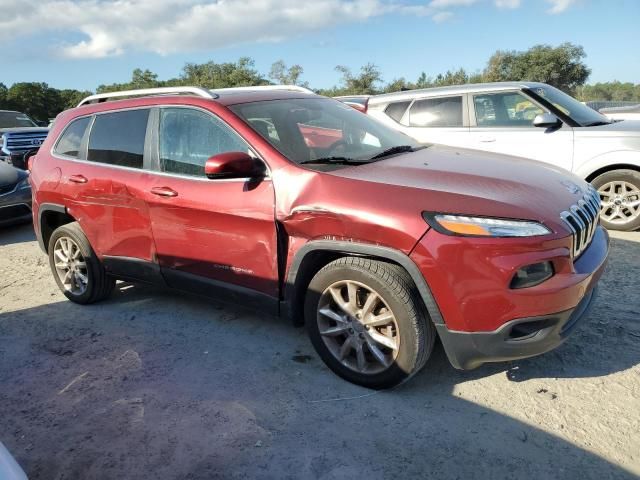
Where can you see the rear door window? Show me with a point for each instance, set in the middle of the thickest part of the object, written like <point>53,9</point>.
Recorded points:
<point>189,137</point>
<point>71,140</point>
<point>117,138</point>
<point>436,112</point>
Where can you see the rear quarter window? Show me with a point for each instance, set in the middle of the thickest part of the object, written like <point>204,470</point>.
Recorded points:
<point>117,138</point>
<point>396,110</point>
<point>71,140</point>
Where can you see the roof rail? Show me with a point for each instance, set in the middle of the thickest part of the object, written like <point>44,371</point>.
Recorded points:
<point>294,88</point>
<point>103,97</point>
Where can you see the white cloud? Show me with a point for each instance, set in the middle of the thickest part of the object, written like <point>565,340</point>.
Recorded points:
<point>442,16</point>
<point>512,4</point>
<point>451,3</point>
<point>103,28</point>
<point>559,6</point>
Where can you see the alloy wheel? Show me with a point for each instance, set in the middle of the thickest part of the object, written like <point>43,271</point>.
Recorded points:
<point>358,327</point>
<point>70,266</point>
<point>620,202</point>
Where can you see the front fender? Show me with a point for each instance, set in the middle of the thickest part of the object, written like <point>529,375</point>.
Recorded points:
<point>610,161</point>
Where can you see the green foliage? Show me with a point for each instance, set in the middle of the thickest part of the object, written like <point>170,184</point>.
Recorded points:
<point>282,75</point>
<point>367,81</point>
<point>561,66</point>
<point>615,90</point>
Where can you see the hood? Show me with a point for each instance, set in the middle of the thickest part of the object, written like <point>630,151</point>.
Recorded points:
<point>24,129</point>
<point>469,182</point>
<point>10,175</point>
<point>622,128</point>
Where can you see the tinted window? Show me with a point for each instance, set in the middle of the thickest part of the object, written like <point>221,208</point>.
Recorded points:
<point>288,126</point>
<point>118,138</point>
<point>15,119</point>
<point>396,110</point>
<point>436,112</point>
<point>69,143</point>
<point>189,137</point>
<point>510,109</point>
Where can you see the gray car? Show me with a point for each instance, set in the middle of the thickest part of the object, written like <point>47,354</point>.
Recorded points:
<point>532,120</point>
<point>15,195</point>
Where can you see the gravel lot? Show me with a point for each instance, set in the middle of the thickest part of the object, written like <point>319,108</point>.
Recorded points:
<point>154,384</point>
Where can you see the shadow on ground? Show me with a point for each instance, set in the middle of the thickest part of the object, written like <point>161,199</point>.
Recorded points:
<point>153,384</point>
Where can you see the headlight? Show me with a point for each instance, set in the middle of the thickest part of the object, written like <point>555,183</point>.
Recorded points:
<point>23,184</point>
<point>484,226</point>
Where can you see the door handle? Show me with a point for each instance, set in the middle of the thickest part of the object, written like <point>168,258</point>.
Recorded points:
<point>487,139</point>
<point>78,179</point>
<point>164,192</point>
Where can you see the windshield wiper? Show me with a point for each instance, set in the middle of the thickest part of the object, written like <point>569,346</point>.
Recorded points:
<point>395,150</point>
<point>597,124</point>
<point>334,160</point>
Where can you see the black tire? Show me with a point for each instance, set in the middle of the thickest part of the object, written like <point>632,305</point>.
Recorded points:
<point>632,177</point>
<point>395,287</point>
<point>99,284</point>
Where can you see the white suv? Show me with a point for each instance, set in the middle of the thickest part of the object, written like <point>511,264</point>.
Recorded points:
<point>532,120</point>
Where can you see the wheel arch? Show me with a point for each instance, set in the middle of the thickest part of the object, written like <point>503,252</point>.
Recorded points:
<point>317,253</point>
<point>609,168</point>
<point>50,217</point>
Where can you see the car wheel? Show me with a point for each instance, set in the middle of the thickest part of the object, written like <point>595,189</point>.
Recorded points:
<point>620,194</point>
<point>367,322</point>
<point>75,266</point>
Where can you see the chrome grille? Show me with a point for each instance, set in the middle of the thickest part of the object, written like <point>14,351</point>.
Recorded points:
<point>582,220</point>
<point>23,141</point>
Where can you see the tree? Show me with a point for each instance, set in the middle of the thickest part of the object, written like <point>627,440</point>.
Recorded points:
<point>561,66</point>
<point>286,76</point>
<point>365,83</point>
<point>222,75</point>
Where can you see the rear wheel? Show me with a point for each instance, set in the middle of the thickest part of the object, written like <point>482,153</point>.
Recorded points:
<point>367,322</point>
<point>75,266</point>
<point>620,194</point>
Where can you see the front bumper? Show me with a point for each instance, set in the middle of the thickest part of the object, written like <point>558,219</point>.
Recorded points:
<point>15,207</point>
<point>486,321</point>
<point>521,338</point>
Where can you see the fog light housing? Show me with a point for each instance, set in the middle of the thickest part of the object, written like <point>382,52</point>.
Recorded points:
<point>532,275</point>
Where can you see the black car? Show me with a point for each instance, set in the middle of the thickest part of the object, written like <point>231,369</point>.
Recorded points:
<point>15,195</point>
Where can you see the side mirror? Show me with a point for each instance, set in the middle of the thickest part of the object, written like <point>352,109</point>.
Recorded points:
<point>546,120</point>
<point>233,165</point>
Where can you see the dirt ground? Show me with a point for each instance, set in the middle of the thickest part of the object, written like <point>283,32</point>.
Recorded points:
<point>153,384</point>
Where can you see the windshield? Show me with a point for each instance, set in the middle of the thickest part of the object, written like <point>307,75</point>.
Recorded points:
<point>579,112</point>
<point>15,119</point>
<point>305,130</point>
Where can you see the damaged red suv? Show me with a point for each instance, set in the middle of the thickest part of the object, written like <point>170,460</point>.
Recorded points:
<point>301,206</point>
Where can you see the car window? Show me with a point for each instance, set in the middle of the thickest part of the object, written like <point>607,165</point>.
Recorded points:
<point>71,140</point>
<point>396,110</point>
<point>189,137</point>
<point>313,128</point>
<point>436,112</point>
<point>509,109</point>
<point>15,120</point>
<point>117,138</point>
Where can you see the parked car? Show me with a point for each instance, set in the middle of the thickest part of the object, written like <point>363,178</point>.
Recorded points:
<point>377,243</point>
<point>15,195</point>
<point>18,135</point>
<point>530,120</point>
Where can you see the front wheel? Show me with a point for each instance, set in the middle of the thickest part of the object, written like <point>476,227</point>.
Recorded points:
<point>77,270</point>
<point>367,322</point>
<point>620,194</point>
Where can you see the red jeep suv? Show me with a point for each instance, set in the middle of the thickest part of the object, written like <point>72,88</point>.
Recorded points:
<point>377,243</point>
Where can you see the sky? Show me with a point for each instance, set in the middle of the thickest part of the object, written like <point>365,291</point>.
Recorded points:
<point>84,43</point>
